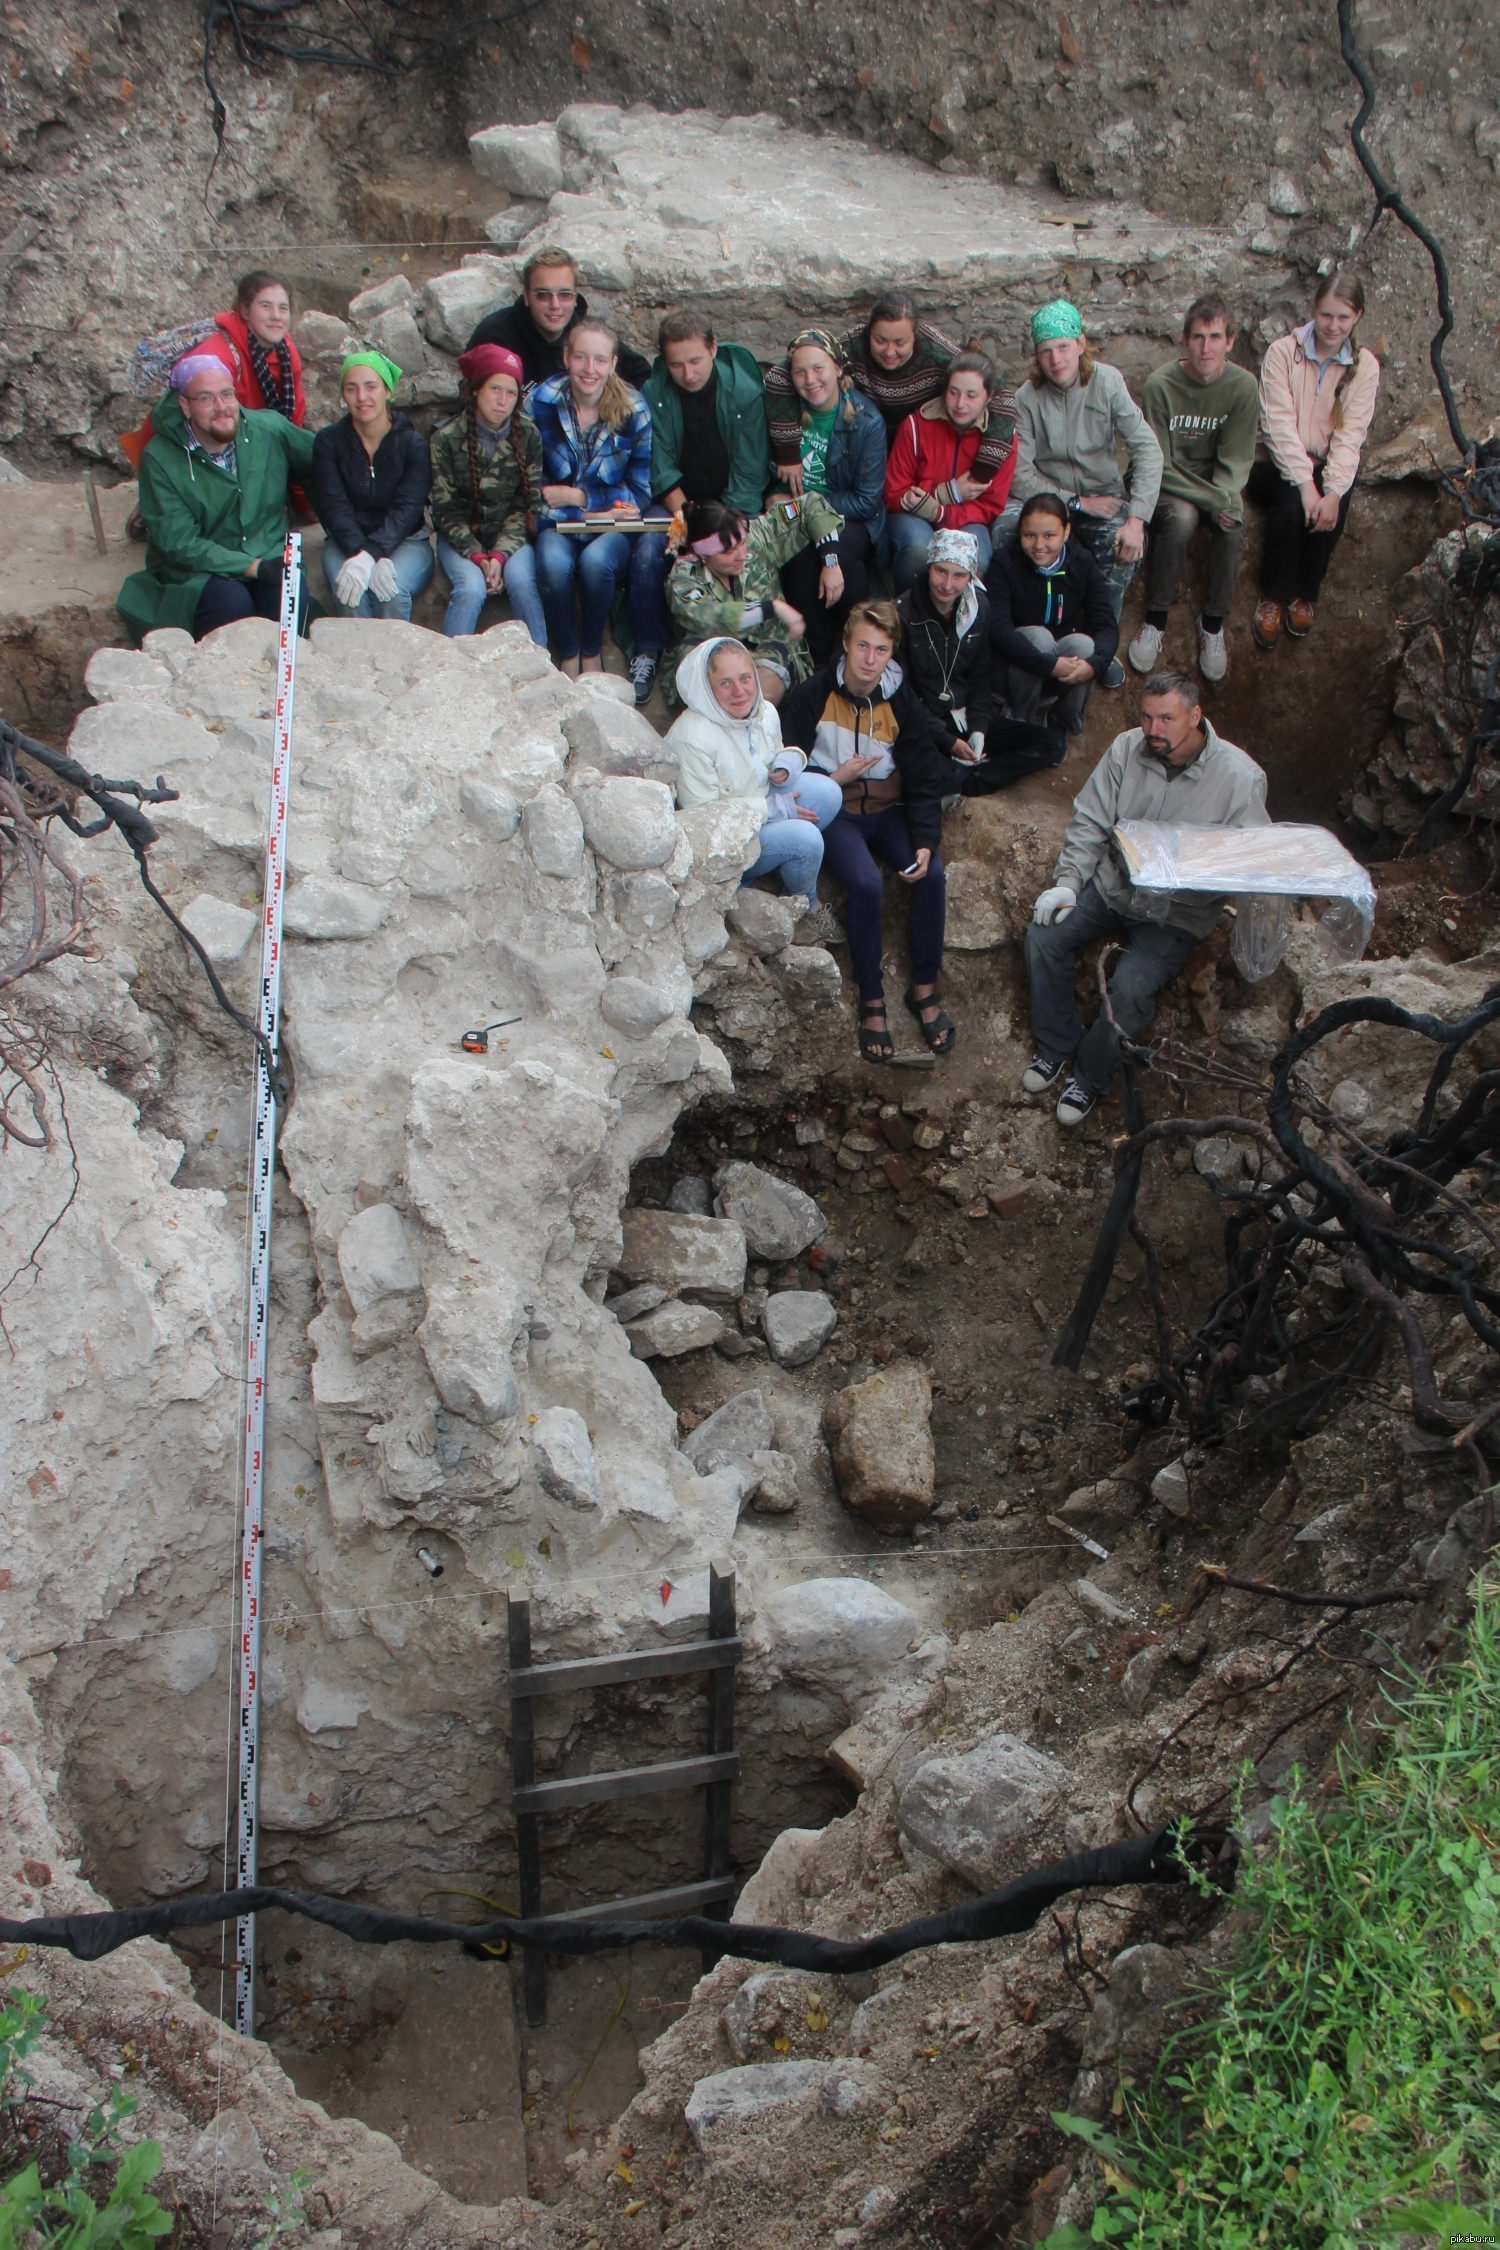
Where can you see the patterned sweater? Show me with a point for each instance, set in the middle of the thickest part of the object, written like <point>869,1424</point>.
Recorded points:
<point>896,393</point>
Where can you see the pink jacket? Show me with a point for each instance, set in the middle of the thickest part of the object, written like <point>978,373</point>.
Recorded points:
<point>1296,412</point>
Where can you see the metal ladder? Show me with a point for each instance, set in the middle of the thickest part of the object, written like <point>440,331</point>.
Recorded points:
<point>715,1772</point>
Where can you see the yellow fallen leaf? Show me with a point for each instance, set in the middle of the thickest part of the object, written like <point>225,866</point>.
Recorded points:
<point>631,2209</point>
<point>1463,2003</point>
<point>514,1558</point>
<point>623,2172</point>
<point>783,2045</point>
<point>816,2019</point>
<point>1363,2124</point>
<point>608,1053</point>
<point>891,2133</point>
<point>1489,2045</point>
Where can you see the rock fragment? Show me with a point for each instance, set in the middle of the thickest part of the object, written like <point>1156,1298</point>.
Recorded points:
<point>962,1811</point>
<point>879,1433</point>
<point>797,1324</point>
<point>705,1257</point>
<point>779,1221</point>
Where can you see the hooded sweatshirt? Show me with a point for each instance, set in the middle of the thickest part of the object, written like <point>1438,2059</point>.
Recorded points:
<point>718,756</point>
<point>826,719</point>
<point>1066,442</point>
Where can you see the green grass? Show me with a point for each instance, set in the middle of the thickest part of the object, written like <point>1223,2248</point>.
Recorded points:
<point>1343,2088</point>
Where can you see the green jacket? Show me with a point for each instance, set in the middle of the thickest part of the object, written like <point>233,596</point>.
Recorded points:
<point>1207,434</point>
<point>202,523</point>
<point>742,425</point>
<point>704,607</point>
<point>505,498</point>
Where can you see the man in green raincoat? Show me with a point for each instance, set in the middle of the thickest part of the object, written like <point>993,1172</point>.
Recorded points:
<point>729,582</point>
<point>213,492</point>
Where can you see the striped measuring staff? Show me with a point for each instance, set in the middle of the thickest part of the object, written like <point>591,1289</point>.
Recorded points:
<point>258,1307</point>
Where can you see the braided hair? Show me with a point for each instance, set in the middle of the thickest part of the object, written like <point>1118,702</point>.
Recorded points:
<point>1346,289</point>
<point>471,420</point>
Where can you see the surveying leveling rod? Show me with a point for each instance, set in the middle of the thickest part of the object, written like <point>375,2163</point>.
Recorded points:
<point>258,1308</point>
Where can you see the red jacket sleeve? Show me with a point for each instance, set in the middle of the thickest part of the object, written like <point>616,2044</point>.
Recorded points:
<point>901,467</point>
<point>991,502</point>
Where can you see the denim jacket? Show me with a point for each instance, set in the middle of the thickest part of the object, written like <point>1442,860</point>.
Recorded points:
<point>608,465</point>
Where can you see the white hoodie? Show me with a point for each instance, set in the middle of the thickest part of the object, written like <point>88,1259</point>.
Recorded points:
<point>718,756</point>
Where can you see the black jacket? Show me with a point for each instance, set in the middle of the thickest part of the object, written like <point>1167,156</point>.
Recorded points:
<point>949,671</point>
<point>366,505</point>
<point>919,750</point>
<point>1077,602</point>
<point>514,327</point>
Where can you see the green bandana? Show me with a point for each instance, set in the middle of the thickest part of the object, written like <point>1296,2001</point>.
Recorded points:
<point>386,369</point>
<point>1054,321</point>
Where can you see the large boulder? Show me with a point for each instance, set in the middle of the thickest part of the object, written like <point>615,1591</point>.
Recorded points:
<point>526,160</point>
<point>701,1257</point>
<point>612,738</point>
<point>633,1006</point>
<point>841,1633</point>
<point>963,1811</point>
<point>632,824</point>
<point>879,1434</point>
<point>728,2101</point>
<point>779,1221</point>
<point>375,1257</point>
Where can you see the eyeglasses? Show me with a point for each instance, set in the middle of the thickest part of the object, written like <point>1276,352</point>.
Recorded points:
<point>555,296</point>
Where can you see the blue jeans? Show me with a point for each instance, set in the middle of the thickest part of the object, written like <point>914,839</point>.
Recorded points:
<point>1154,952</point>
<point>910,538</point>
<point>592,568</point>
<point>414,565</point>
<point>795,847</point>
<point>470,593</point>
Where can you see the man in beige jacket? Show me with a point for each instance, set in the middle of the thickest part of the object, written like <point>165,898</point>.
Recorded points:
<point>1172,768</point>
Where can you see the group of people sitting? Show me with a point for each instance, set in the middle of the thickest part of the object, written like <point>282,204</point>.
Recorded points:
<point>729,522</point>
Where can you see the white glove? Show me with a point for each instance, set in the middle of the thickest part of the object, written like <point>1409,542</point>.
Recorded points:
<point>384,584</point>
<point>353,579</point>
<point>1054,904</point>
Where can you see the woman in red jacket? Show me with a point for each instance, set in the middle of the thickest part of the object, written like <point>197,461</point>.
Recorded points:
<point>253,340</point>
<point>950,466</point>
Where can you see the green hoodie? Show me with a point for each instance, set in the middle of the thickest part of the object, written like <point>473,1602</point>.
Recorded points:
<point>1207,434</point>
<point>742,425</point>
<point>202,523</point>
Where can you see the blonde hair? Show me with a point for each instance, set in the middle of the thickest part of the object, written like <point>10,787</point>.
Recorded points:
<point>1347,289</point>
<point>1088,360</point>
<point>616,400</point>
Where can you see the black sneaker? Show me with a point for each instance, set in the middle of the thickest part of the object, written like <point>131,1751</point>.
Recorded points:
<point>643,677</point>
<point>1040,1073</point>
<point>1076,1102</point>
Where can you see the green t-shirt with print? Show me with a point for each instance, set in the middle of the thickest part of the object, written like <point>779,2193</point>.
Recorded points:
<point>817,429</point>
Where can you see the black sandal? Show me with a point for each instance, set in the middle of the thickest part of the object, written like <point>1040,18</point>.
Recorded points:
<point>871,1041</point>
<point>941,1034</point>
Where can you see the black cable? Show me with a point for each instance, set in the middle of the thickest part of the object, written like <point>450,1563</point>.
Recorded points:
<point>140,836</point>
<point>1389,198</point>
<point>244,17</point>
<point>1161,1858</point>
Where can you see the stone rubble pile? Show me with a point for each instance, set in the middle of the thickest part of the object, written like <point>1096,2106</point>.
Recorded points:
<point>768,228</point>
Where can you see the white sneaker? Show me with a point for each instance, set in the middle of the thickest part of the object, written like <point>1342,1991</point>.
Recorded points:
<point>1040,1073</point>
<point>1145,650</point>
<point>1213,656</point>
<point>1077,1102</point>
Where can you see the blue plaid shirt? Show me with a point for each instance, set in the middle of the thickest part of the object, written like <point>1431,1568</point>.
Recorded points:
<point>608,465</point>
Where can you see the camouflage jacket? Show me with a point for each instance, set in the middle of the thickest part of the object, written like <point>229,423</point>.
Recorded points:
<point>704,606</point>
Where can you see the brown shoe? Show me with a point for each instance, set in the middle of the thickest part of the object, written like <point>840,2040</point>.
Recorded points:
<point>1299,619</point>
<point>1266,624</point>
